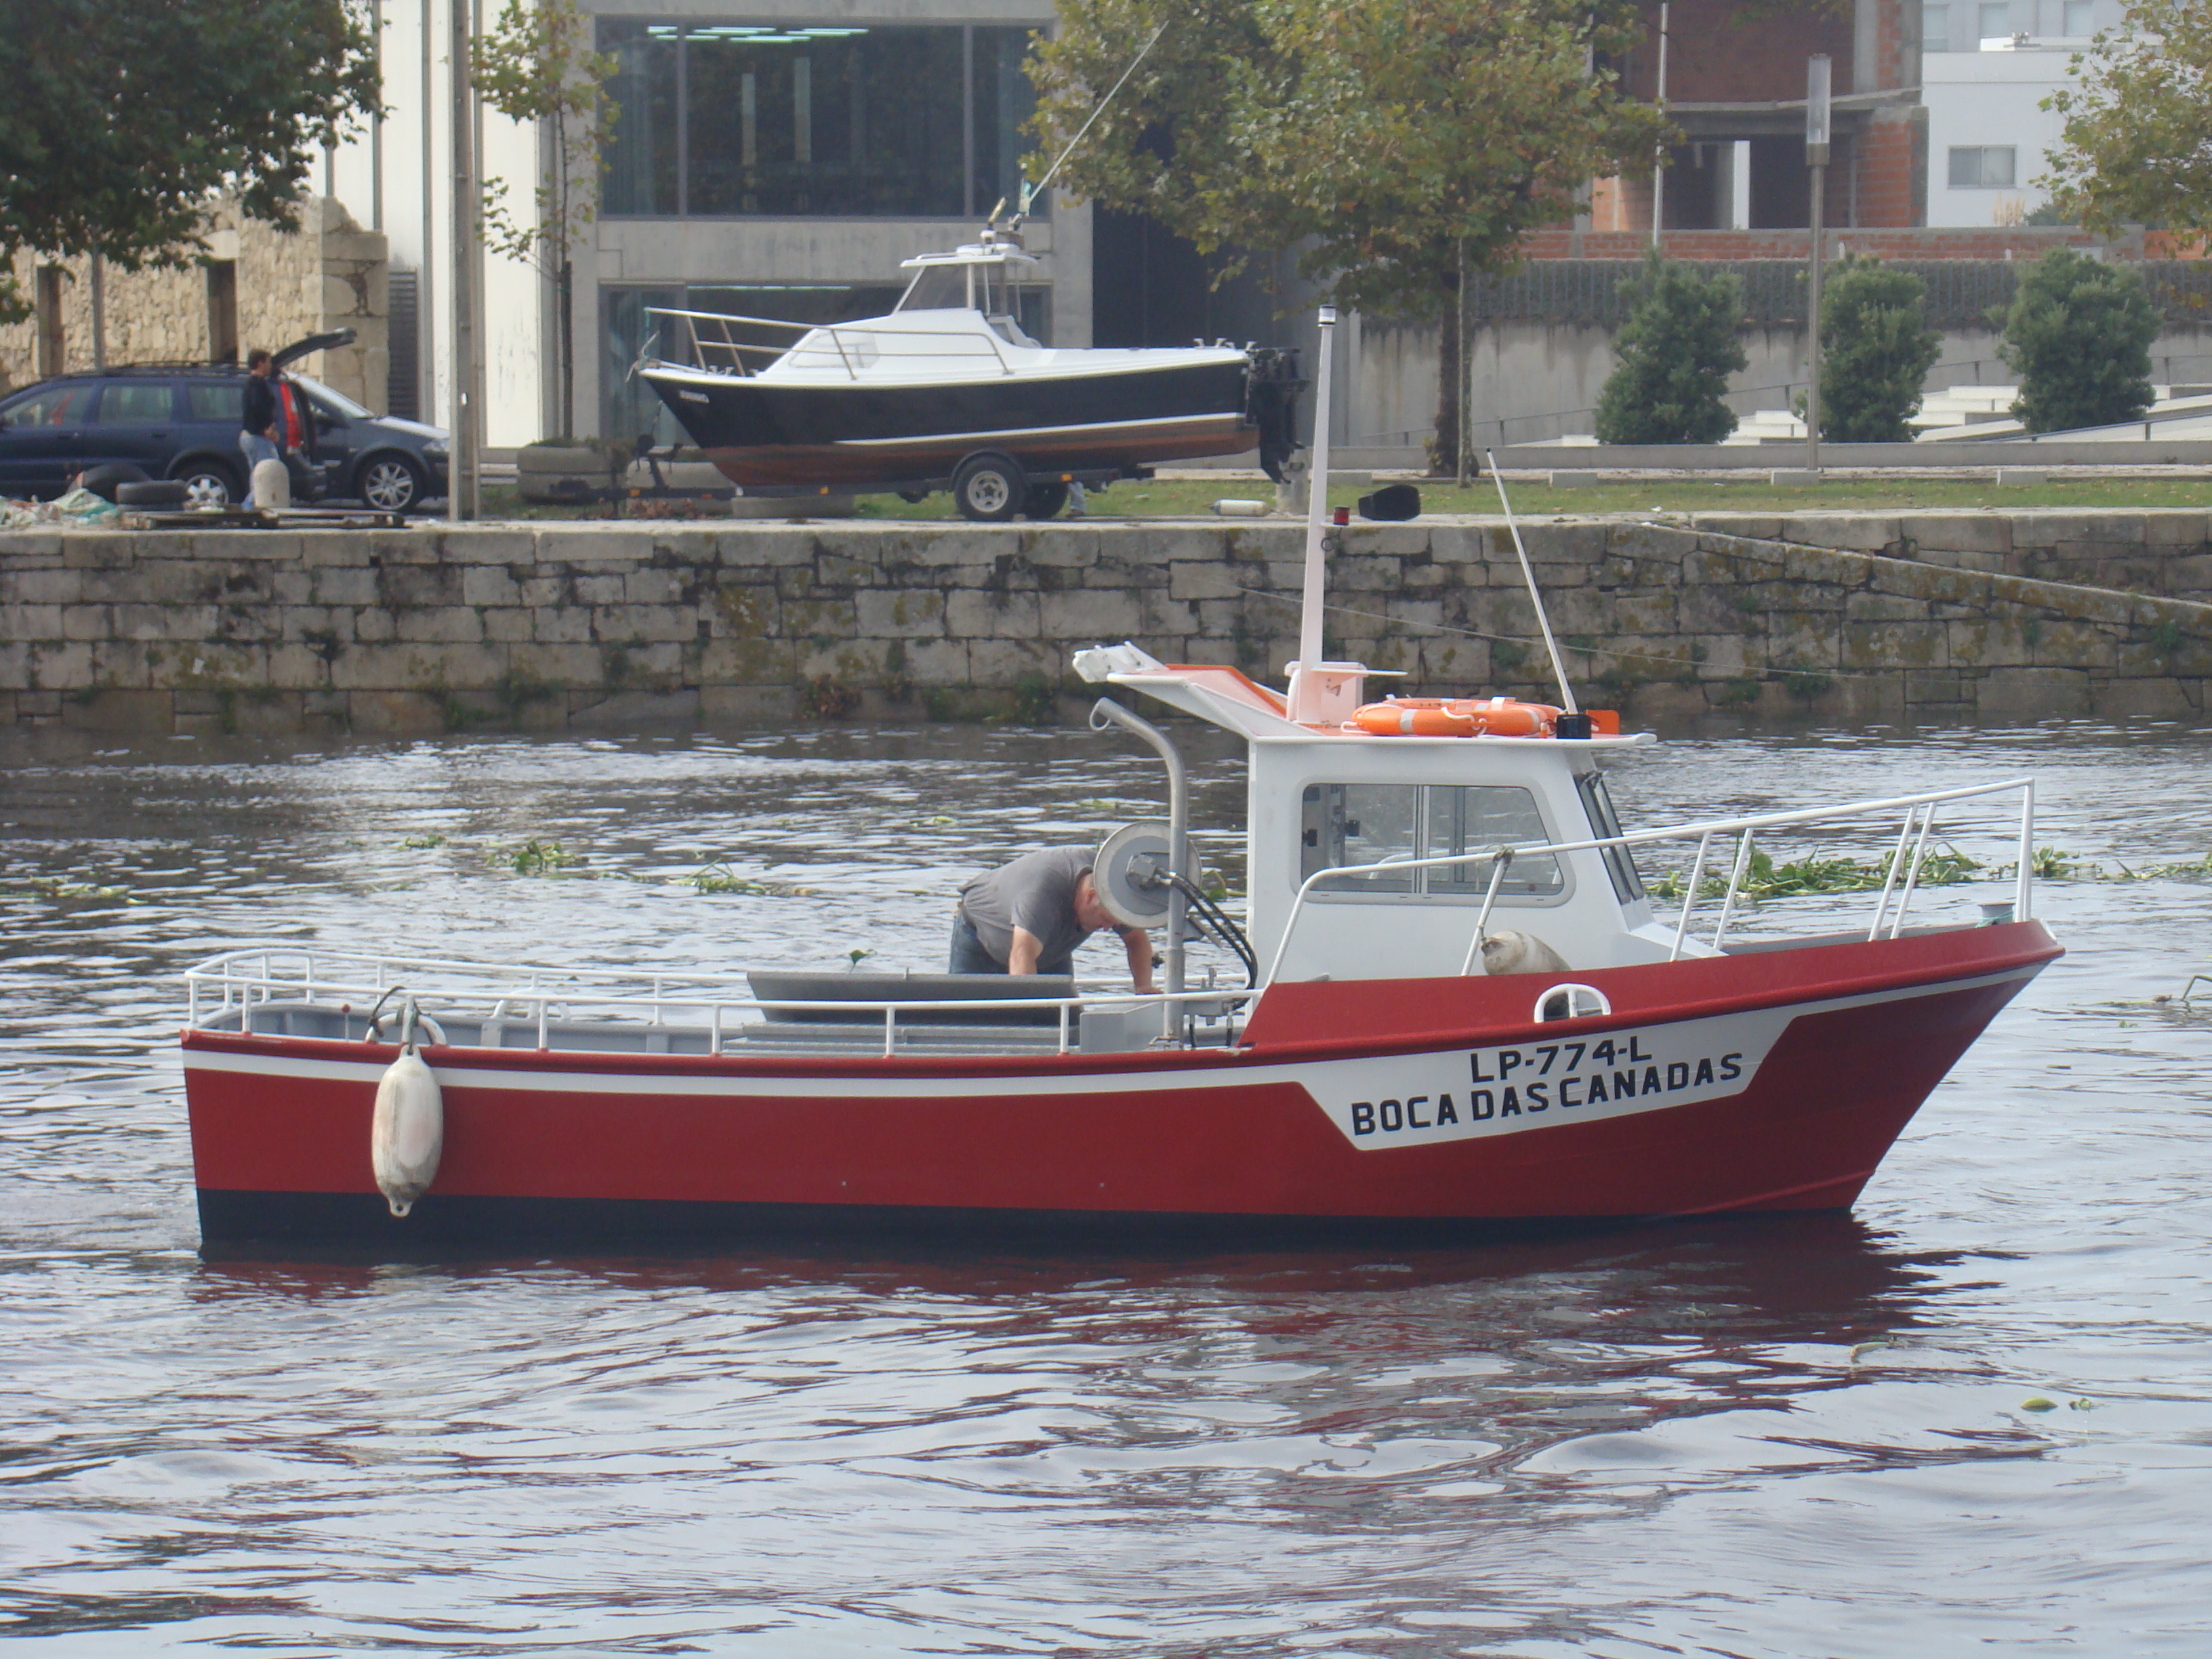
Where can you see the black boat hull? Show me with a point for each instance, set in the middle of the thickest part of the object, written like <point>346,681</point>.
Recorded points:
<point>761,432</point>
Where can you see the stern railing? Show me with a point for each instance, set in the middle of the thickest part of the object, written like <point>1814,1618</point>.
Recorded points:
<point>243,981</point>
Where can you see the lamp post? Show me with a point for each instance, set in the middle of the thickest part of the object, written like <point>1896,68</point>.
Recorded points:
<point>1659,162</point>
<point>1816,157</point>
<point>461,500</point>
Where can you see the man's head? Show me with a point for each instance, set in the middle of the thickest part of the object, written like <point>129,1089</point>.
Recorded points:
<point>1088,910</point>
<point>257,362</point>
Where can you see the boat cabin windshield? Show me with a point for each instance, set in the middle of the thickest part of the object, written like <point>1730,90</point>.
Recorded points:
<point>988,286</point>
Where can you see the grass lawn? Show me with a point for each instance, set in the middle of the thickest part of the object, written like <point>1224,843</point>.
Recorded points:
<point>1188,498</point>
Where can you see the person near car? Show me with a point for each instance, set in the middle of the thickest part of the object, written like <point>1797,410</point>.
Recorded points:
<point>258,430</point>
<point>1027,917</point>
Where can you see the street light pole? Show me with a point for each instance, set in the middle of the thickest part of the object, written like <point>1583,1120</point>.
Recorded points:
<point>461,502</point>
<point>1659,162</point>
<point>1816,157</point>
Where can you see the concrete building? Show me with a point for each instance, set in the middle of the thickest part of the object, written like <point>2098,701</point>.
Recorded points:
<point>1987,65</point>
<point>773,158</point>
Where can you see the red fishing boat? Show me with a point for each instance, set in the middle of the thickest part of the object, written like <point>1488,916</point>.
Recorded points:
<point>1463,1007</point>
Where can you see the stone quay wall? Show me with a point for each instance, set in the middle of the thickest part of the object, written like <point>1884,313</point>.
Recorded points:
<point>1941,616</point>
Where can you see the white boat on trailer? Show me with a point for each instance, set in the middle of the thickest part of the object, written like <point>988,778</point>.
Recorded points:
<point>947,391</point>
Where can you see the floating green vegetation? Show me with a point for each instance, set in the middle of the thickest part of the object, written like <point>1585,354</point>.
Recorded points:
<point>54,887</point>
<point>940,822</point>
<point>418,843</point>
<point>1106,808</point>
<point>2055,864</point>
<point>1762,879</point>
<point>534,857</point>
<point>718,877</point>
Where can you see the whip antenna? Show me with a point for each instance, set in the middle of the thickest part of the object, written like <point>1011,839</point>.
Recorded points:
<point>1543,622</point>
<point>1030,192</point>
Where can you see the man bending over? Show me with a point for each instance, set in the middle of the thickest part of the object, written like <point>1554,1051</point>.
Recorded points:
<point>1027,917</point>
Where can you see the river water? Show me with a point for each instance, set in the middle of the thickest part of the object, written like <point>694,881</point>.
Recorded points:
<point>1784,1436</point>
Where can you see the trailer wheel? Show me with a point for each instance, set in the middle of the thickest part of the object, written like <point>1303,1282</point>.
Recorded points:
<point>1045,500</point>
<point>989,488</point>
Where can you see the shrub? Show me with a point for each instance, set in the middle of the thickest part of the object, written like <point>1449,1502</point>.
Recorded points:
<point>1877,350</point>
<point>1673,358</point>
<point>2078,336</point>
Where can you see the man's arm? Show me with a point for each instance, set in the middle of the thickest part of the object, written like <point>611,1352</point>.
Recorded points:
<point>1139,944</point>
<point>1027,948</point>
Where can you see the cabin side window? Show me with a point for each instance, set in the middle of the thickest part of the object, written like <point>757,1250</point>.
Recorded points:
<point>1386,824</point>
<point>1619,861</point>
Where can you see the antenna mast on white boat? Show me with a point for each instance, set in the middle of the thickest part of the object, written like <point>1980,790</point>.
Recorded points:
<point>1543,622</point>
<point>1305,681</point>
<point>1030,192</point>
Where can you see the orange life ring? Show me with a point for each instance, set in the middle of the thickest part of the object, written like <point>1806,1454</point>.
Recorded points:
<point>1453,717</point>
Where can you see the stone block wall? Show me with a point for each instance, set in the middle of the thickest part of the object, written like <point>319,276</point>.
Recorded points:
<point>438,627</point>
<point>330,274</point>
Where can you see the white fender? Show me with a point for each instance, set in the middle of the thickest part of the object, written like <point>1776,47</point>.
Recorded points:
<point>409,1133</point>
<point>1514,952</point>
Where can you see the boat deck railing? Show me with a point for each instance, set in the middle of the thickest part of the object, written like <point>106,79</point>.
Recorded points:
<point>714,345</point>
<point>1904,862</point>
<point>642,1012</point>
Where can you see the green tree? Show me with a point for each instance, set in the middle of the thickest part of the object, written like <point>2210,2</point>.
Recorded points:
<point>1672,357</point>
<point>120,124</point>
<point>1877,350</point>
<point>2078,336</point>
<point>1395,143</point>
<point>2136,148</point>
<point>537,64</point>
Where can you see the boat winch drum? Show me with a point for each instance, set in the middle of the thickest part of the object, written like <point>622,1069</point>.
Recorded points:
<point>1131,872</point>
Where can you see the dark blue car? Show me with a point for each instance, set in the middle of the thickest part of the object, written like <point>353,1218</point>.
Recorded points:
<point>181,421</point>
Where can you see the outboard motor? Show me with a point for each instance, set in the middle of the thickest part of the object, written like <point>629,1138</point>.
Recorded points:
<point>1272,391</point>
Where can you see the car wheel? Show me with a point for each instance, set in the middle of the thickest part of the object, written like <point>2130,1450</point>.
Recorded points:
<point>209,484</point>
<point>391,483</point>
<point>989,488</point>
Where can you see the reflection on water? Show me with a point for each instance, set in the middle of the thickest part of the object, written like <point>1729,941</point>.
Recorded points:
<point>1774,1437</point>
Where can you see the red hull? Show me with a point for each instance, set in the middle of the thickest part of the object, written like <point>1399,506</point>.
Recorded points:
<point>1757,1082</point>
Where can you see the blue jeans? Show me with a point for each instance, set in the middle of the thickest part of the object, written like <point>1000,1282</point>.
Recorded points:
<point>258,449</point>
<point>968,955</point>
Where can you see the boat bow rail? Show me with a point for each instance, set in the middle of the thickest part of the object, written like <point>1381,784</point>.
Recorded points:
<point>332,994</point>
<point>1901,875</point>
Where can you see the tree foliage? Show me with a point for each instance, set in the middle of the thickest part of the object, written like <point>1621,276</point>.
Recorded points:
<point>1876,349</point>
<point>1672,357</point>
<point>1393,142</point>
<point>2136,148</point>
<point>119,123</point>
<point>2078,336</point>
<point>538,63</point>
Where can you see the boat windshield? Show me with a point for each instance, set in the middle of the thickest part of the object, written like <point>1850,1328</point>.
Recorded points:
<point>976,286</point>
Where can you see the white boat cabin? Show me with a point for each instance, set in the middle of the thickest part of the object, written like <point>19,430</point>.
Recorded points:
<point>1321,797</point>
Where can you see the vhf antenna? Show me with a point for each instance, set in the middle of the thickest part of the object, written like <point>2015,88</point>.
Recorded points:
<point>1559,668</point>
<point>1030,192</point>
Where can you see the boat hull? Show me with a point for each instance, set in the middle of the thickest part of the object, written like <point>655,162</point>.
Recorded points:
<point>1771,1081</point>
<point>760,431</point>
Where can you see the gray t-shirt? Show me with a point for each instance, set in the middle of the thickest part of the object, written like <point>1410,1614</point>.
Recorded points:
<point>1037,893</point>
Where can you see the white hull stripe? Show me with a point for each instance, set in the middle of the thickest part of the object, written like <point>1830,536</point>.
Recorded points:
<point>1226,420</point>
<point>1339,1085</point>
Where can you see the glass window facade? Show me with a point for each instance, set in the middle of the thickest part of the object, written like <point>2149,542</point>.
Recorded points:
<point>735,120</point>
<point>1935,26</point>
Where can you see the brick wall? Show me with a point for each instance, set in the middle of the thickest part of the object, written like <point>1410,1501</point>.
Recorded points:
<point>434,627</point>
<point>1719,51</point>
<point>1896,242</point>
